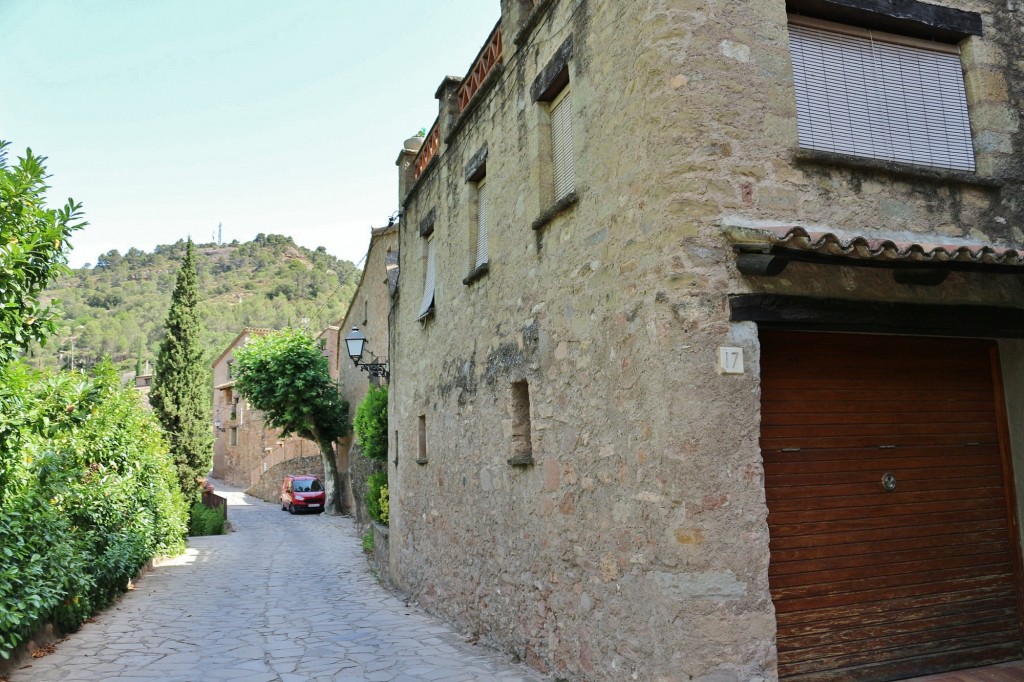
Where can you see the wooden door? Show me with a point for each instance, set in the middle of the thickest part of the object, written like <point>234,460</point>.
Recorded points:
<point>888,501</point>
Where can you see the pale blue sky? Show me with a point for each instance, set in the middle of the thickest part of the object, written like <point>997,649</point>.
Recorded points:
<point>166,117</point>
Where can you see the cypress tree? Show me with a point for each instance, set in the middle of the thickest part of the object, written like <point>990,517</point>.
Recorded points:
<point>180,395</point>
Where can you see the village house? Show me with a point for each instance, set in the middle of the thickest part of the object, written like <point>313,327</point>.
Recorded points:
<point>367,313</point>
<point>246,452</point>
<point>706,357</point>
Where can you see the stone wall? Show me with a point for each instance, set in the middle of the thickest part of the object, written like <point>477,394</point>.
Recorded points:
<point>635,545</point>
<point>268,488</point>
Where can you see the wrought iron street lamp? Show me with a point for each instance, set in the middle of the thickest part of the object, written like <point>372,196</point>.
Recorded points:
<point>356,343</point>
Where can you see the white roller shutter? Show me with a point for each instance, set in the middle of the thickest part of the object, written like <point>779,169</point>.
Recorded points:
<point>428,281</point>
<point>861,94</point>
<point>561,145</point>
<point>481,223</point>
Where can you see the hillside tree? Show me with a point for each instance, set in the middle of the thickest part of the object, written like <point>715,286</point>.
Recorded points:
<point>284,374</point>
<point>180,395</point>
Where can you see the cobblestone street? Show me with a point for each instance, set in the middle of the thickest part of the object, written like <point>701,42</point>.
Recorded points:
<point>283,597</point>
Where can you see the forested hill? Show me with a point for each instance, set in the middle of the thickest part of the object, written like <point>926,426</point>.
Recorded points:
<point>118,306</point>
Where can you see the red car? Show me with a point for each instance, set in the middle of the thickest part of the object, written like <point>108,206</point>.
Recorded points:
<point>302,493</point>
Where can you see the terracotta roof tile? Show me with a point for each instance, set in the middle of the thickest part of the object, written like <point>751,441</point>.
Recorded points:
<point>867,248</point>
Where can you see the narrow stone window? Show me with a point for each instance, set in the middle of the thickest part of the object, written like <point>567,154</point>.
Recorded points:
<point>234,435</point>
<point>563,165</point>
<point>481,223</point>
<point>522,443</point>
<point>480,216</point>
<point>427,305</point>
<point>422,438</point>
<point>557,157</point>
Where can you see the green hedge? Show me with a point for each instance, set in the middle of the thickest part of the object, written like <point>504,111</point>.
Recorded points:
<point>377,481</point>
<point>205,521</point>
<point>88,495</point>
<point>371,424</point>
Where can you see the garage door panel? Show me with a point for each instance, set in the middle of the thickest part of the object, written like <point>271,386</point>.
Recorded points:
<point>979,649</point>
<point>985,654</point>
<point>795,409</point>
<point>787,504</point>
<point>956,584</point>
<point>876,459</point>
<point>889,529</point>
<point>869,440</point>
<point>854,489</point>
<point>801,553</point>
<point>951,396</point>
<point>839,512</point>
<point>878,559</point>
<point>832,623</point>
<point>884,573</point>
<point>877,419</point>
<point>999,623</point>
<point>877,583</point>
<point>839,615</point>
<point>870,585</point>
<point>890,640</point>
<point>881,432</point>
<point>911,478</point>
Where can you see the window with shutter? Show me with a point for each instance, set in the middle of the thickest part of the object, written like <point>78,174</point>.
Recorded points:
<point>563,169</point>
<point>428,280</point>
<point>879,95</point>
<point>481,223</point>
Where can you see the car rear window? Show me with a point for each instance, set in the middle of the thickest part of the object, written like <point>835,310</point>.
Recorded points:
<point>308,486</point>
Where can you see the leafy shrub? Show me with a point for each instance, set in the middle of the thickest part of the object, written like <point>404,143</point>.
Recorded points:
<point>88,496</point>
<point>371,424</point>
<point>375,483</point>
<point>205,521</point>
<point>385,504</point>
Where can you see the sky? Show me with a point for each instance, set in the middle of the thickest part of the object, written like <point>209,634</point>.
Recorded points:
<point>165,118</point>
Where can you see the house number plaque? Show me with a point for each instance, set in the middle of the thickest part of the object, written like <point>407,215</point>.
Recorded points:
<point>889,481</point>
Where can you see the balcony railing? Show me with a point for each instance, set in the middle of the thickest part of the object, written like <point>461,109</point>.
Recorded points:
<point>489,57</point>
<point>428,150</point>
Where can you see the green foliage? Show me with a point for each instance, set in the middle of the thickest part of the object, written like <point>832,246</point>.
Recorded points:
<point>377,487</point>
<point>120,304</point>
<point>205,521</point>
<point>180,395</point>
<point>384,504</point>
<point>371,424</point>
<point>368,542</point>
<point>284,374</point>
<point>33,251</point>
<point>91,497</point>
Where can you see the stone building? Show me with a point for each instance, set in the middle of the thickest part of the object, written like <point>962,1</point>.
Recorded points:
<point>244,449</point>
<point>706,357</point>
<point>368,311</point>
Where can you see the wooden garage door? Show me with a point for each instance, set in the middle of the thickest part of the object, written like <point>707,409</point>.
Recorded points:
<point>875,584</point>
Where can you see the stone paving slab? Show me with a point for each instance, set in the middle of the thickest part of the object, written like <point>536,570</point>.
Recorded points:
<point>281,599</point>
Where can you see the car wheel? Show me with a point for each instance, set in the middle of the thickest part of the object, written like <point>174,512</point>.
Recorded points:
<point>291,508</point>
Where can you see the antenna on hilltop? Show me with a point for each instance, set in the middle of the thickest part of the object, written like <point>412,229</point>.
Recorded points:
<point>220,233</point>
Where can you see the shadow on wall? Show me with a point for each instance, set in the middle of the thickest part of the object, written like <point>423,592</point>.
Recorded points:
<point>268,488</point>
